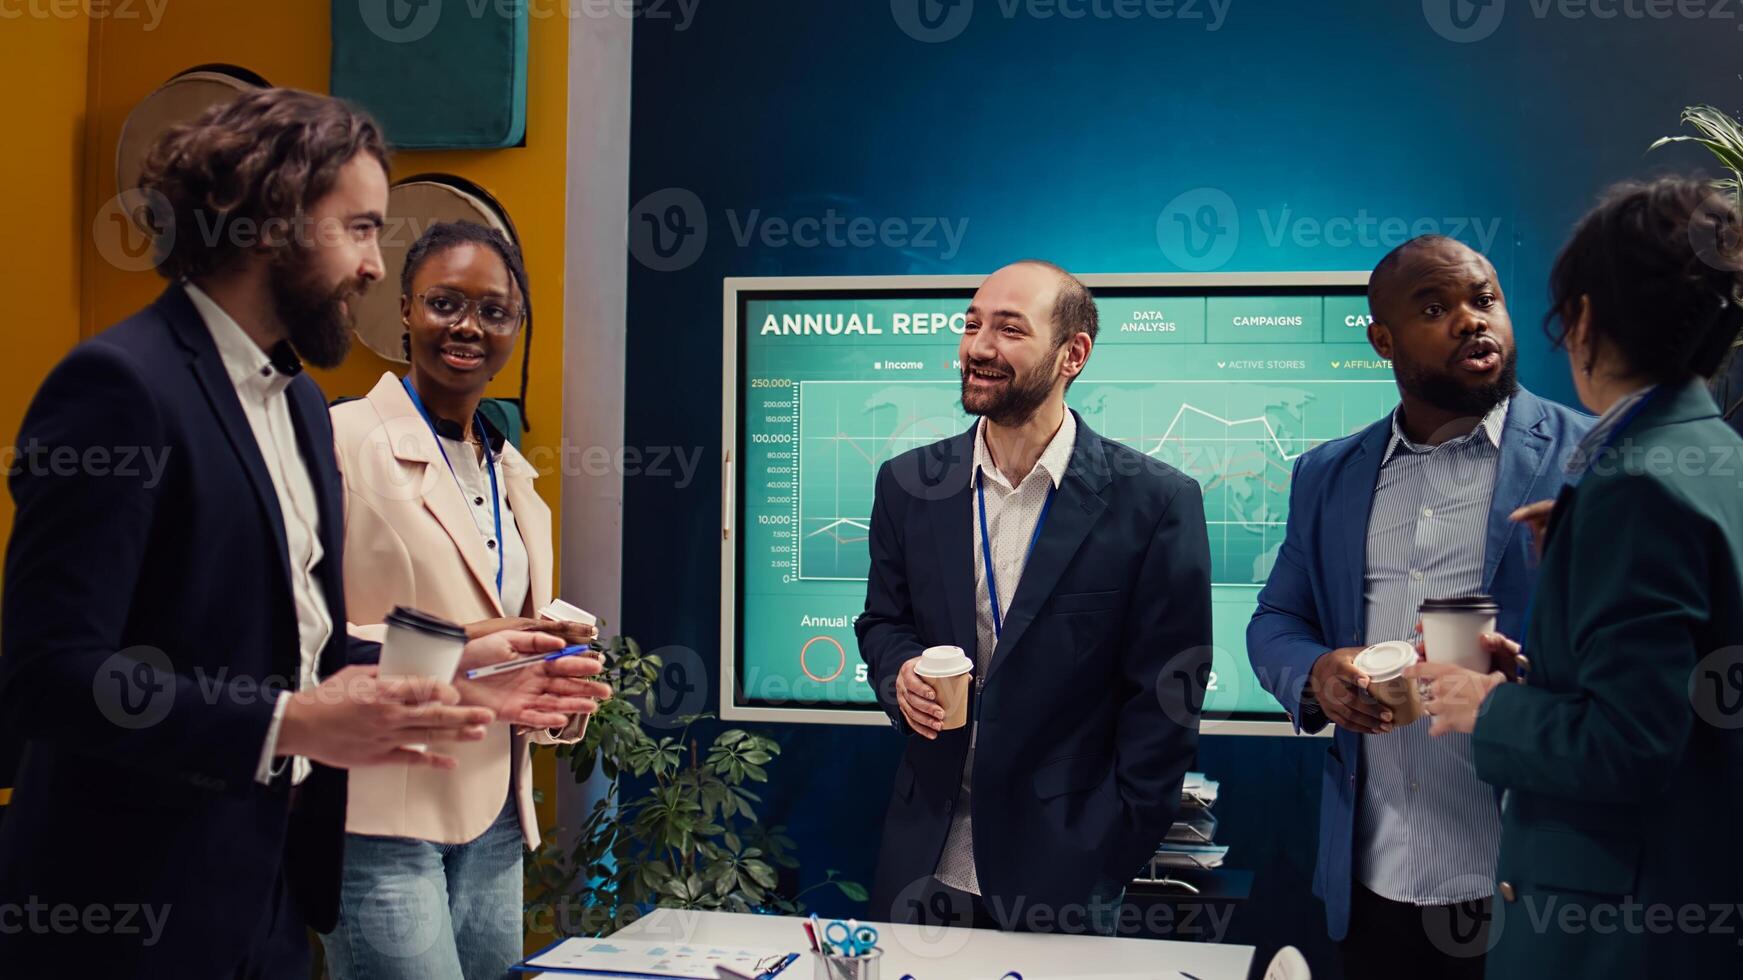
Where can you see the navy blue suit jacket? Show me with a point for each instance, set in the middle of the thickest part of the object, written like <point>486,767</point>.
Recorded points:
<point>149,623</point>
<point>1089,715</point>
<point>1314,600</point>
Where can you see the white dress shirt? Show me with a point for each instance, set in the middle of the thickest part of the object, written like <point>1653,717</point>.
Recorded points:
<point>1011,515</point>
<point>475,485</point>
<point>260,387</point>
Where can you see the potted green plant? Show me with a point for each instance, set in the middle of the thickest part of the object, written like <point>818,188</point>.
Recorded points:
<point>1720,134</point>
<point>677,825</point>
<point>1723,137</point>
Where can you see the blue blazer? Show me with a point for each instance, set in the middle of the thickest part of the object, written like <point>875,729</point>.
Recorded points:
<point>146,606</point>
<point>1313,601</point>
<point>1089,716</point>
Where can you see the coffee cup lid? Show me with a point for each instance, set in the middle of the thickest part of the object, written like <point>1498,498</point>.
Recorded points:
<point>1385,661</point>
<point>943,662</point>
<point>416,619</point>
<point>1461,604</point>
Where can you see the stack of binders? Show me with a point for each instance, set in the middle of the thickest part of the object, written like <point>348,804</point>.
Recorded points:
<point>1191,841</point>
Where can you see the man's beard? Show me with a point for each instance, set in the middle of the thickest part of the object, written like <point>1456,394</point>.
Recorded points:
<point>1017,402</point>
<point>315,319</point>
<point>1446,392</point>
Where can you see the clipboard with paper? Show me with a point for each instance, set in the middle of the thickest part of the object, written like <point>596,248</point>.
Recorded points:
<point>656,959</point>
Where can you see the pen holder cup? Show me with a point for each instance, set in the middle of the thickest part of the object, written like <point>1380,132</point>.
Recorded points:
<point>830,967</point>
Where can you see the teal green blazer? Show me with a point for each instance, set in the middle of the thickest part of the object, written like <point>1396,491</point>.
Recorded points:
<point>1622,757</point>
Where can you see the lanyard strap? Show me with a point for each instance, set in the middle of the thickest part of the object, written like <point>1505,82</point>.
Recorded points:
<point>489,466</point>
<point>986,549</point>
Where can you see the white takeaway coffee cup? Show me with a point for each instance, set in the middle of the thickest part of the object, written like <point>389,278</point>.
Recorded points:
<point>421,645</point>
<point>946,669</point>
<point>1385,663</point>
<point>565,612</point>
<point>1451,630</point>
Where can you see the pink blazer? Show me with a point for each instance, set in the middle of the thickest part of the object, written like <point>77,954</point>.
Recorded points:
<point>410,540</point>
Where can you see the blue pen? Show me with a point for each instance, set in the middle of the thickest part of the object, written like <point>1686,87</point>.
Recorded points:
<point>508,665</point>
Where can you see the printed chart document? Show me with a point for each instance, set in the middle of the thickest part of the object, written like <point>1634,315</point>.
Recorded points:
<point>642,958</point>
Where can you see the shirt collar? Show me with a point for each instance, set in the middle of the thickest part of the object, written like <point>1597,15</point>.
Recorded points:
<point>1054,459</point>
<point>1492,425</point>
<point>244,361</point>
<point>1601,432</point>
<point>449,429</point>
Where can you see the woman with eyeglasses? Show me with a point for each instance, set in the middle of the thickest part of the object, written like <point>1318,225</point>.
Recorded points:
<point>441,515</point>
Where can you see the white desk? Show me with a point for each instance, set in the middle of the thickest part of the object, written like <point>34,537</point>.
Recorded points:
<point>937,953</point>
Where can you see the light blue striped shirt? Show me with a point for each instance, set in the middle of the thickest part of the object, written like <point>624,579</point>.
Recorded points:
<point>1427,829</point>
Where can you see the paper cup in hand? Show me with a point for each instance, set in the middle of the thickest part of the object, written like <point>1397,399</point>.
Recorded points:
<point>421,645</point>
<point>1384,663</point>
<point>563,612</point>
<point>1452,630</point>
<point>946,670</point>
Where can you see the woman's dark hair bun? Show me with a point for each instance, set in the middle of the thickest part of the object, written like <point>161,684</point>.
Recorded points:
<point>1658,264</point>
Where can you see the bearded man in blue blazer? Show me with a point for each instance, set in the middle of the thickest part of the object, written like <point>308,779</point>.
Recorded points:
<point>1418,505</point>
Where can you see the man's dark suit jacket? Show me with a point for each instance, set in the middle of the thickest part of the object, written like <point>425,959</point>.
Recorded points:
<point>1089,714</point>
<point>149,623</point>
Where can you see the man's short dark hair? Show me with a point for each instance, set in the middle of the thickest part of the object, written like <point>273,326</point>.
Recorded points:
<point>214,184</point>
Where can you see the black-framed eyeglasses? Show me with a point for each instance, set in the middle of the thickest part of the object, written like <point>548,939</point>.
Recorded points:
<point>446,307</point>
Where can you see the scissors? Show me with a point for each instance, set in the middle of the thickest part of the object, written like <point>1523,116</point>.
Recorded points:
<point>850,937</point>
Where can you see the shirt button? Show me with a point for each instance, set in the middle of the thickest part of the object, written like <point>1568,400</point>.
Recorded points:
<point>491,544</point>
<point>1428,512</point>
<point>1414,786</point>
<point>478,500</point>
<point>266,372</point>
<point>1416,573</point>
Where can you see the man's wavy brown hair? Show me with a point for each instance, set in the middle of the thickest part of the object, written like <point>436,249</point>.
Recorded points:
<point>270,154</point>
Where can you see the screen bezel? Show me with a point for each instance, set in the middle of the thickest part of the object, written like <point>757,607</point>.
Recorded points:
<point>737,291</point>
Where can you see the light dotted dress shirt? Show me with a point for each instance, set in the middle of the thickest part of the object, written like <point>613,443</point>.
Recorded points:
<point>474,481</point>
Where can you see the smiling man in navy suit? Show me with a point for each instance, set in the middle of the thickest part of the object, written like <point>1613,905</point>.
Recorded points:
<point>1076,574</point>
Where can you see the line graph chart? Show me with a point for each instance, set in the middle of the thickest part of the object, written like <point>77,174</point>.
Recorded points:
<point>847,429</point>
<point>1238,439</point>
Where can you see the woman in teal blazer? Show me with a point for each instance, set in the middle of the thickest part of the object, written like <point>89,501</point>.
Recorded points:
<point>1621,753</point>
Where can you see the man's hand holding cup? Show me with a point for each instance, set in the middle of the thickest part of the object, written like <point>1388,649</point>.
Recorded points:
<point>1342,692</point>
<point>932,690</point>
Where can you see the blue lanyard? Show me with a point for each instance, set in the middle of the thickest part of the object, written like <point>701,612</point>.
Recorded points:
<point>1624,422</point>
<point>489,466</point>
<point>986,548</point>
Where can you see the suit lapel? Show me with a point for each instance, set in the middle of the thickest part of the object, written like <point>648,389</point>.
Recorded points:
<point>533,519</point>
<point>1348,515</point>
<point>950,517</point>
<point>208,369</point>
<point>414,443</point>
<point>1523,443</point>
<point>1076,508</point>
<point>314,432</point>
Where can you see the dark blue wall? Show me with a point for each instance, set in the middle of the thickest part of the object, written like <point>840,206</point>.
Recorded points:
<point>1069,139</point>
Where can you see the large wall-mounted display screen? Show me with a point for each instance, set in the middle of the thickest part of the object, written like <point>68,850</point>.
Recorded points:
<point>1227,377</point>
